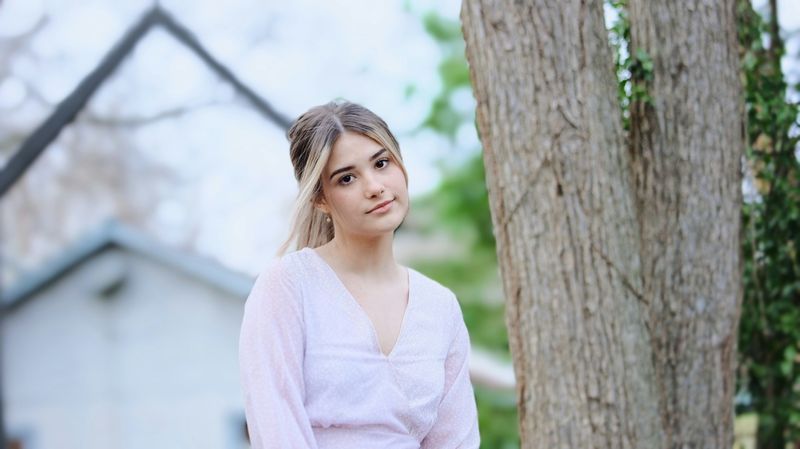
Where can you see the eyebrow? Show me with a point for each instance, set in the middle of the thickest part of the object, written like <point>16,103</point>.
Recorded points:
<point>350,167</point>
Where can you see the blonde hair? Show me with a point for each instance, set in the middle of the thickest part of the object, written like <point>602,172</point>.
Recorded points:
<point>311,139</point>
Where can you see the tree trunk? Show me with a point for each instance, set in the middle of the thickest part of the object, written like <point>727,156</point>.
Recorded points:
<point>621,268</point>
<point>687,144</point>
<point>562,209</point>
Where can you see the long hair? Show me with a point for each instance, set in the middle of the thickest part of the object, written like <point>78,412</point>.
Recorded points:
<point>311,139</point>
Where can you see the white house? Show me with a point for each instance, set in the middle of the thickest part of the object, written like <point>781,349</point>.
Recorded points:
<point>123,343</point>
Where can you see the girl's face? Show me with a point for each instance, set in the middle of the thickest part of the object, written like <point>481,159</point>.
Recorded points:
<point>359,176</point>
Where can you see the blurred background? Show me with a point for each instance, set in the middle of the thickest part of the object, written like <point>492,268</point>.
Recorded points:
<point>164,185</point>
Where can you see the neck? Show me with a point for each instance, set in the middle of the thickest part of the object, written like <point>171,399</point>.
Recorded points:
<point>372,257</point>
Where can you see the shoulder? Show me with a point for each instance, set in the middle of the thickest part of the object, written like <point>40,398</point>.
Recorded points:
<point>276,292</point>
<point>435,293</point>
<point>288,268</point>
<point>442,305</point>
<point>280,274</point>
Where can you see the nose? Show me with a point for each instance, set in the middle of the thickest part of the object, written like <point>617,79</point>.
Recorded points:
<point>373,186</point>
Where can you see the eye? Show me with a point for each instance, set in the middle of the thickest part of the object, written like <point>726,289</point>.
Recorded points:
<point>346,179</point>
<point>385,160</point>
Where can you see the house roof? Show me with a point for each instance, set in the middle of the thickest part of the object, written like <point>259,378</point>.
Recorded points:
<point>69,107</point>
<point>115,234</point>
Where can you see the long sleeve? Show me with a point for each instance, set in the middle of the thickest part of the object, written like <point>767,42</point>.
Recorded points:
<point>271,345</point>
<point>456,425</point>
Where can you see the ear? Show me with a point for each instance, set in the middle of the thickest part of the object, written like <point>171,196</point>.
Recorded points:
<point>321,205</point>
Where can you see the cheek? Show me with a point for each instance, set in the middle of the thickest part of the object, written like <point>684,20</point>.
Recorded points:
<point>344,201</point>
<point>401,185</point>
<point>398,179</point>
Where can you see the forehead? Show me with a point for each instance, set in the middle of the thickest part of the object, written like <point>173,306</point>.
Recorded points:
<point>351,148</point>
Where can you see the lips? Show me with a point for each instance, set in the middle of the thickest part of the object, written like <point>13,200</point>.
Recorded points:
<point>380,205</point>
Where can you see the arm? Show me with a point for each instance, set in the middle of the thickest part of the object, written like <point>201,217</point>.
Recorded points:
<point>456,425</point>
<point>271,344</point>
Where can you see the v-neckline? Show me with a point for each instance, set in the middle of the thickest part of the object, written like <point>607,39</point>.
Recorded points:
<point>376,339</point>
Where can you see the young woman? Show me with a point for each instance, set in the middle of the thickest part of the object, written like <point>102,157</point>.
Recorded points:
<point>341,346</point>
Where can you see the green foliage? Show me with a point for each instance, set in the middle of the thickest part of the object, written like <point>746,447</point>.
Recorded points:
<point>453,72</point>
<point>619,34</point>
<point>634,72</point>
<point>497,418</point>
<point>769,336</point>
<point>640,67</point>
<point>464,200</point>
<point>446,32</point>
<point>443,118</point>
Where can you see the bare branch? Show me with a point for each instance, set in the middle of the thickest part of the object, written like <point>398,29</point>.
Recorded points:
<point>135,122</point>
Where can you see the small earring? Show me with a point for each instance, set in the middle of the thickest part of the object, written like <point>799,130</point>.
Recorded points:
<point>328,219</point>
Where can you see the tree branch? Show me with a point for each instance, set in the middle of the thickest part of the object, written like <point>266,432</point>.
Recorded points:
<point>134,122</point>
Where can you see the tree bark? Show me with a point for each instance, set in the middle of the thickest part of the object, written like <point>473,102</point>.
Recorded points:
<point>562,208</point>
<point>621,266</point>
<point>687,144</point>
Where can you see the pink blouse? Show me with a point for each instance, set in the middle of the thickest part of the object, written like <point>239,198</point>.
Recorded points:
<point>313,374</point>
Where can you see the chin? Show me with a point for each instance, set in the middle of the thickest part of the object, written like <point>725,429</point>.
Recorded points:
<point>386,227</point>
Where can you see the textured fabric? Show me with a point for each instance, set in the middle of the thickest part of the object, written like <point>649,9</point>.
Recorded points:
<point>313,374</point>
